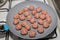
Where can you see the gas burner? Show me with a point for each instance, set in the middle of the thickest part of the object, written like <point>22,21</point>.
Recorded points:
<point>2,2</point>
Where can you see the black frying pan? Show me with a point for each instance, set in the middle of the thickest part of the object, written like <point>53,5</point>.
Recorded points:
<point>15,9</point>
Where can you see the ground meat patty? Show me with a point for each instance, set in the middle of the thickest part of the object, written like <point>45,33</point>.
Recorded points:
<point>32,20</point>
<point>31,7</point>
<point>21,17</point>
<point>46,24</point>
<point>34,12</point>
<point>20,12</point>
<point>36,15</point>
<point>44,12</point>
<point>38,9</point>
<point>35,25</point>
<point>29,18</point>
<point>16,16</point>
<point>18,27</point>
<point>24,31</point>
<point>23,23</point>
<point>32,33</point>
<point>40,21</point>
<point>25,9</point>
<point>28,27</point>
<point>40,29</point>
<point>42,16</point>
<point>15,21</point>
<point>26,13</point>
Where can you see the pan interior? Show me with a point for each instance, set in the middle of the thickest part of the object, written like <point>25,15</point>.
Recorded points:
<point>21,5</point>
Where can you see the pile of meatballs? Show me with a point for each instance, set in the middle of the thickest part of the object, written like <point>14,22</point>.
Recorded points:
<point>31,18</point>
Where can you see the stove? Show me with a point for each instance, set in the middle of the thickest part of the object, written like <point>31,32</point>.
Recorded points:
<point>5,34</point>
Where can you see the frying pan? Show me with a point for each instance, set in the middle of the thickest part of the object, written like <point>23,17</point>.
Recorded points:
<point>15,9</point>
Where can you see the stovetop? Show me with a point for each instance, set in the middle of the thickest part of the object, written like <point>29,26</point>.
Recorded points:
<point>3,18</point>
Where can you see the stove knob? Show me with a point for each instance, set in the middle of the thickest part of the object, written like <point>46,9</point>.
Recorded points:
<point>5,27</point>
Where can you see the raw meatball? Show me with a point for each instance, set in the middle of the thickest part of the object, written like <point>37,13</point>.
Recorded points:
<point>44,12</point>
<point>40,21</point>
<point>40,29</point>
<point>34,12</point>
<point>21,17</point>
<point>46,24</point>
<point>24,23</point>
<point>26,14</point>
<point>25,9</point>
<point>24,31</point>
<point>36,15</point>
<point>29,18</point>
<point>20,12</point>
<point>42,16</point>
<point>48,19</point>
<point>15,21</point>
<point>18,27</point>
<point>32,34</point>
<point>35,25</point>
<point>38,9</point>
<point>16,16</point>
<point>28,27</point>
<point>32,20</point>
<point>31,7</point>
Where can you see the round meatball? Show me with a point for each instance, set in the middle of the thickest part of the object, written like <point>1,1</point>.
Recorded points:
<point>40,21</point>
<point>31,7</point>
<point>15,21</point>
<point>25,9</point>
<point>48,18</point>
<point>42,16</point>
<point>36,15</point>
<point>32,34</point>
<point>32,20</point>
<point>24,24</point>
<point>26,14</point>
<point>28,27</point>
<point>46,24</point>
<point>38,9</point>
<point>16,16</point>
<point>35,25</point>
<point>29,18</point>
<point>44,12</point>
<point>34,12</point>
<point>21,17</point>
<point>24,31</point>
<point>18,27</point>
<point>20,12</point>
<point>40,29</point>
